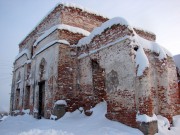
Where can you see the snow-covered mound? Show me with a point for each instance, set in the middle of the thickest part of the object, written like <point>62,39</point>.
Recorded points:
<point>75,123</point>
<point>146,118</point>
<point>164,126</point>
<point>3,118</point>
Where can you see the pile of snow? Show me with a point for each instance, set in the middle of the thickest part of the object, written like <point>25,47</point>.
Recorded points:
<point>3,118</point>
<point>49,45</point>
<point>45,132</point>
<point>164,126</point>
<point>75,123</point>
<point>176,121</point>
<point>16,111</point>
<point>102,28</point>
<point>53,117</point>
<point>163,122</point>
<point>26,111</point>
<point>61,27</point>
<point>145,118</point>
<point>23,52</point>
<point>142,61</point>
<point>152,46</point>
<point>35,110</point>
<point>61,102</point>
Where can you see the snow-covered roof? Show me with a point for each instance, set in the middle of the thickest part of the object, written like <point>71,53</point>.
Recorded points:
<point>62,27</point>
<point>83,9</point>
<point>153,46</point>
<point>102,28</point>
<point>142,61</point>
<point>23,52</point>
<point>65,5</point>
<point>50,44</point>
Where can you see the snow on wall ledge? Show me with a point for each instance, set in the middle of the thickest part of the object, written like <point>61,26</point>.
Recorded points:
<point>62,27</point>
<point>50,44</point>
<point>141,59</point>
<point>102,28</point>
<point>23,52</point>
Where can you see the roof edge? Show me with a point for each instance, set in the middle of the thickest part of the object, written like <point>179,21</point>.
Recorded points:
<point>53,9</point>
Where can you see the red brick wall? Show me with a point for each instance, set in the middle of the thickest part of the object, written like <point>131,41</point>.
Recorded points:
<point>145,34</point>
<point>72,38</point>
<point>98,77</point>
<point>120,111</point>
<point>164,99</point>
<point>78,18</point>
<point>67,74</point>
<point>116,110</point>
<point>108,36</point>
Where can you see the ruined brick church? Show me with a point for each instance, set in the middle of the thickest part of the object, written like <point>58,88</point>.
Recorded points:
<point>82,58</point>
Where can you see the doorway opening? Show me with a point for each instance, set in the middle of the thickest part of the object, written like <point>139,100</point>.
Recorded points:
<point>41,99</point>
<point>27,98</point>
<point>98,76</point>
<point>17,98</point>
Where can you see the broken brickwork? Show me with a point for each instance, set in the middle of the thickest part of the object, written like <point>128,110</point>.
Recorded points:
<point>54,65</point>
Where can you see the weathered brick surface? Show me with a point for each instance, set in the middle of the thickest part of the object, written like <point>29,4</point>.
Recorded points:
<point>81,19</point>
<point>72,38</point>
<point>104,69</point>
<point>145,34</point>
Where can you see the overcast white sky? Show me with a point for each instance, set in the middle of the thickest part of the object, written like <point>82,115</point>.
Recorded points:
<point>19,17</point>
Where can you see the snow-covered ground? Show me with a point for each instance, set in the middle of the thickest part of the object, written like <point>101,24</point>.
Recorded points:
<point>77,123</point>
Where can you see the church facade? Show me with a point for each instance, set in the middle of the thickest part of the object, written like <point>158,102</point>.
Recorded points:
<point>83,58</point>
